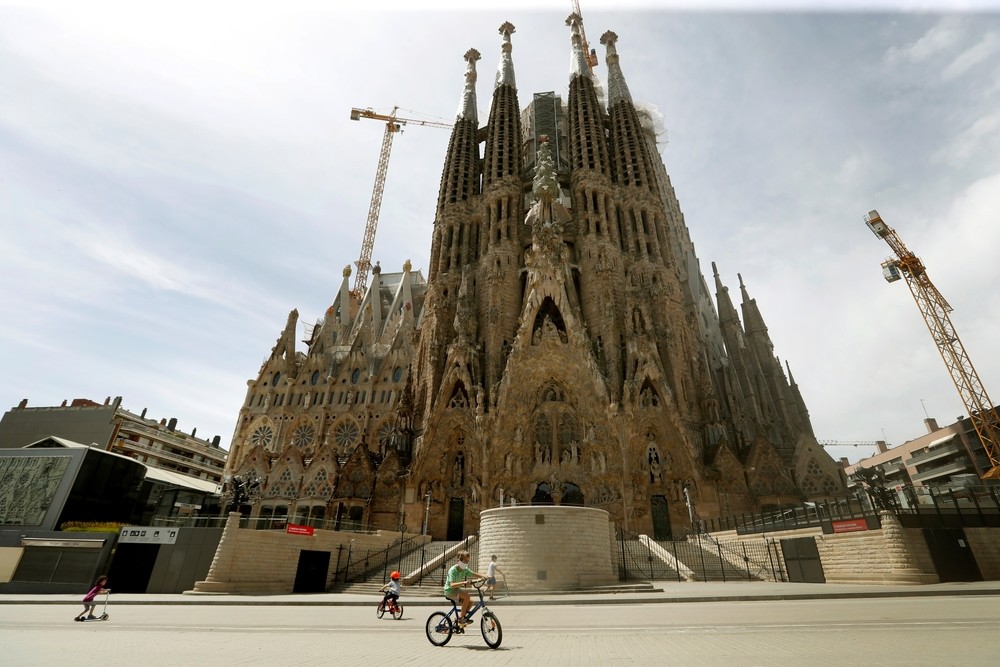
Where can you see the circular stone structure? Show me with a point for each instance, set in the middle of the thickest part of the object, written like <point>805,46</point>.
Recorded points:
<point>548,547</point>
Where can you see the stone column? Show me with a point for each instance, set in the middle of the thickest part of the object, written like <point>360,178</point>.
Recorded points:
<point>220,571</point>
<point>902,555</point>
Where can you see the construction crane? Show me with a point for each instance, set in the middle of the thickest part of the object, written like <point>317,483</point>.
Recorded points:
<point>589,53</point>
<point>935,309</point>
<point>393,124</point>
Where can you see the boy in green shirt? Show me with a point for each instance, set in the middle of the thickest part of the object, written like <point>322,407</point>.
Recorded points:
<point>458,577</point>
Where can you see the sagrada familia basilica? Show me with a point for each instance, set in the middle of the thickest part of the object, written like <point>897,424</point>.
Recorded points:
<point>564,347</point>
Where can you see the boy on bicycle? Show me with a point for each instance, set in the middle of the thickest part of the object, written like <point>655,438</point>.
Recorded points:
<point>458,577</point>
<point>391,590</point>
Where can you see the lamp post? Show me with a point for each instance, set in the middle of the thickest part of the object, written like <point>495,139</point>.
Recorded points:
<point>427,511</point>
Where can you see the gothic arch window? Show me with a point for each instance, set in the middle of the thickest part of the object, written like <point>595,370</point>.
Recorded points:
<point>572,495</point>
<point>315,377</point>
<point>275,379</point>
<point>458,470</point>
<point>648,396</point>
<point>355,376</point>
<point>548,321</point>
<point>459,397</point>
<point>556,429</point>
<point>654,464</point>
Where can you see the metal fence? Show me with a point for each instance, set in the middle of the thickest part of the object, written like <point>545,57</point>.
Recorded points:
<point>945,507</point>
<point>426,563</point>
<point>699,558</point>
<point>807,515</point>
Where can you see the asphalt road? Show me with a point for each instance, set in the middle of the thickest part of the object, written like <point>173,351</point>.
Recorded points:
<point>885,631</point>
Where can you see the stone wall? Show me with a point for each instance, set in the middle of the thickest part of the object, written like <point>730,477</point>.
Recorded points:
<point>263,561</point>
<point>892,555</point>
<point>548,547</point>
<point>985,545</point>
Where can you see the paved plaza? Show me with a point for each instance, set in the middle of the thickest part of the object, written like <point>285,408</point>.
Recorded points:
<point>735,624</point>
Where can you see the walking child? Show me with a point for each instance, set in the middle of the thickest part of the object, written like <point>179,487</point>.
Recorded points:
<point>88,600</point>
<point>491,576</point>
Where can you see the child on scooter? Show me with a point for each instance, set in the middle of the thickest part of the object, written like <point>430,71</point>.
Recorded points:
<point>88,600</point>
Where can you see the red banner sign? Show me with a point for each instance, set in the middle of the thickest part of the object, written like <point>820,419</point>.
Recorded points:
<point>299,530</point>
<point>849,525</point>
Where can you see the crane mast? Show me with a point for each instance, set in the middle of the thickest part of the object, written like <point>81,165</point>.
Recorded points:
<point>935,309</point>
<point>589,53</point>
<point>393,124</point>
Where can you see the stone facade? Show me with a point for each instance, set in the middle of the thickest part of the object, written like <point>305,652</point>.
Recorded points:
<point>564,348</point>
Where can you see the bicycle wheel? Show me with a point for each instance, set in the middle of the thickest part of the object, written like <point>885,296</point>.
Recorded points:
<point>439,628</point>
<point>492,632</point>
<point>380,612</point>
<point>397,613</point>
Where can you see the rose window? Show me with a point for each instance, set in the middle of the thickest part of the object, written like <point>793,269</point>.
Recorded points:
<point>346,434</point>
<point>303,436</point>
<point>263,436</point>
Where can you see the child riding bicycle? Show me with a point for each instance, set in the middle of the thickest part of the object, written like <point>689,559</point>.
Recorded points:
<point>458,577</point>
<point>391,589</point>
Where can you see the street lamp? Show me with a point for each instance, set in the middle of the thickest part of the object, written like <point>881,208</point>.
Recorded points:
<point>427,511</point>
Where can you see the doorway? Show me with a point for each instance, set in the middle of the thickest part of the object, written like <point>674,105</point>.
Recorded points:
<point>132,566</point>
<point>310,576</point>
<point>952,555</point>
<point>456,520</point>
<point>660,513</point>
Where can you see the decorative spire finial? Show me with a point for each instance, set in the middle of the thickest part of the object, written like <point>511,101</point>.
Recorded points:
<point>505,73</point>
<point>467,110</point>
<point>617,90</point>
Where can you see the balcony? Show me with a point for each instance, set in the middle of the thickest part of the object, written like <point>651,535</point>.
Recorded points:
<point>938,452</point>
<point>894,468</point>
<point>960,465</point>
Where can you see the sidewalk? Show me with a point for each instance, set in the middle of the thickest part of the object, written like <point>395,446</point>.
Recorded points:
<point>660,592</point>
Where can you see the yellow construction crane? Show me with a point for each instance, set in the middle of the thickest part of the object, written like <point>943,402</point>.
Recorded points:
<point>589,53</point>
<point>935,310</point>
<point>393,124</point>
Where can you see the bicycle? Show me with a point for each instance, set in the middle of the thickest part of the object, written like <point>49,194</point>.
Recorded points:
<point>394,608</point>
<point>442,625</point>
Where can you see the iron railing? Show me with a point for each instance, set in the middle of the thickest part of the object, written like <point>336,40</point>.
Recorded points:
<point>698,558</point>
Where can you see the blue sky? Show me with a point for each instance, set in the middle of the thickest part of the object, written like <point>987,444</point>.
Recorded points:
<point>176,177</point>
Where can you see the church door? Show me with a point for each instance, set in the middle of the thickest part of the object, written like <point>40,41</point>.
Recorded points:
<point>456,520</point>
<point>661,518</point>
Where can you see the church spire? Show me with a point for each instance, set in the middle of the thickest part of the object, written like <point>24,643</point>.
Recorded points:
<point>578,65</point>
<point>505,73</point>
<point>617,88</point>
<point>467,108</point>
<point>752,319</point>
<point>503,138</point>
<point>460,177</point>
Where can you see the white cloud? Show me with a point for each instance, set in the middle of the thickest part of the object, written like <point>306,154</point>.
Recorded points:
<point>980,138</point>
<point>939,39</point>
<point>977,53</point>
